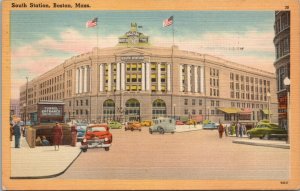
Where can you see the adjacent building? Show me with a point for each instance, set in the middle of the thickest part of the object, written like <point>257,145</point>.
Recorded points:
<point>282,62</point>
<point>137,81</point>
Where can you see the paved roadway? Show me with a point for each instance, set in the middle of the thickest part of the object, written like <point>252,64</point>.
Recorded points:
<point>189,155</point>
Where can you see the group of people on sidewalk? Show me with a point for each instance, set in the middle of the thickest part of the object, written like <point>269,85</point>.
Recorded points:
<point>57,135</point>
<point>239,129</point>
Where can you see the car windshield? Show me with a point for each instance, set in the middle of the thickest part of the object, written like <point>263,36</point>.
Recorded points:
<point>95,129</point>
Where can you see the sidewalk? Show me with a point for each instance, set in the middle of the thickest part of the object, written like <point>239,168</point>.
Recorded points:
<point>187,128</point>
<point>41,162</point>
<point>261,142</point>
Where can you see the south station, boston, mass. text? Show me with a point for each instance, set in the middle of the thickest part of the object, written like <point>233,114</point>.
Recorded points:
<point>47,5</point>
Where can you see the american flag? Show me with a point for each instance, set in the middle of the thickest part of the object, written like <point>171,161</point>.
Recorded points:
<point>168,22</point>
<point>92,23</point>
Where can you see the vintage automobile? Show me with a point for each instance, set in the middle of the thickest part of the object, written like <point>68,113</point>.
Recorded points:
<point>178,122</point>
<point>81,128</point>
<point>210,125</point>
<point>114,125</point>
<point>96,136</point>
<point>146,123</point>
<point>163,125</point>
<point>267,131</point>
<point>190,122</point>
<point>133,126</point>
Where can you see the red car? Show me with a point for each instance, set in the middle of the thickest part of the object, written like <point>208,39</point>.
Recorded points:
<point>179,122</point>
<point>97,135</point>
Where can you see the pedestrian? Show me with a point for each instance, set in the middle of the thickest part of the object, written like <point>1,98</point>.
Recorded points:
<point>237,129</point>
<point>221,130</point>
<point>226,130</point>
<point>17,134</point>
<point>74,135</point>
<point>45,142</point>
<point>57,134</point>
<point>241,130</point>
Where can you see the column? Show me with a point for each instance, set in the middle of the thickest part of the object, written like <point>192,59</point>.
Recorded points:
<point>188,76</point>
<point>85,82</point>
<point>158,77</point>
<point>201,79</point>
<point>180,77</point>
<point>76,80</point>
<point>109,76</point>
<point>195,79</point>
<point>123,75</point>
<point>79,80</point>
<point>169,77</point>
<point>118,77</point>
<point>101,77</point>
<point>148,77</point>
<point>143,77</point>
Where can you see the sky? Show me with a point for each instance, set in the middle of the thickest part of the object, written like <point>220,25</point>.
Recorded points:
<point>41,40</point>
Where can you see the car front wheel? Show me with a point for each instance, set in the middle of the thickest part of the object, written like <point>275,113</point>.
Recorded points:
<point>267,136</point>
<point>161,130</point>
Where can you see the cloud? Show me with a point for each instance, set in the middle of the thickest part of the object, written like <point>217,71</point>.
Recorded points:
<point>252,48</point>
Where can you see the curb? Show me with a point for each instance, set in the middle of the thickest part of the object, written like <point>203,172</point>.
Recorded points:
<point>48,176</point>
<point>262,144</point>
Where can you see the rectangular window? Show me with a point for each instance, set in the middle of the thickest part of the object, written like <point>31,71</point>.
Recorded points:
<point>193,112</point>
<point>163,67</point>
<point>153,77</point>
<point>186,111</point>
<point>153,88</point>
<point>186,101</point>
<point>217,103</point>
<point>133,88</point>
<point>200,101</point>
<point>127,88</point>
<point>193,102</point>
<point>212,103</point>
<point>200,112</point>
<point>153,66</point>
<point>133,77</point>
<point>128,67</point>
<point>86,102</point>
<point>134,67</point>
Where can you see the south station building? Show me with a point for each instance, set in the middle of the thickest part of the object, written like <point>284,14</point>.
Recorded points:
<point>137,81</point>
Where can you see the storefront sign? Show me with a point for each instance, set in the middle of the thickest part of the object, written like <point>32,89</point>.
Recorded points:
<point>51,111</point>
<point>132,58</point>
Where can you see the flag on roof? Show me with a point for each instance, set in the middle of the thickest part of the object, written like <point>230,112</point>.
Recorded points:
<point>168,22</point>
<point>92,23</point>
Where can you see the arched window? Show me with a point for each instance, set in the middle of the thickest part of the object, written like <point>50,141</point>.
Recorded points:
<point>108,110</point>
<point>159,109</point>
<point>132,110</point>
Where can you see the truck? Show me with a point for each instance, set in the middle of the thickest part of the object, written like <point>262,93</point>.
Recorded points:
<point>163,125</point>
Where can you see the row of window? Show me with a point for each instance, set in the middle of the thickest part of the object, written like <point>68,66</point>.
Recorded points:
<point>242,87</point>
<point>243,78</point>
<point>248,96</point>
<point>282,47</point>
<point>282,22</point>
<point>52,81</point>
<point>248,105</point>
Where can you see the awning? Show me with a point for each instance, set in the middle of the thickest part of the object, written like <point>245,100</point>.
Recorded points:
<point>229,110</point>
<point>246,111</point>
<point>266,111</point>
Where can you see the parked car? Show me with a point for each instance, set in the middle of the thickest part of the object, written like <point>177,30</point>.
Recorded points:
<point>267,131</point>
<point>81,128</point>
<point>210,125</point>
<point>133,126</point>
<point>163,125</point>
<point>178,122</point>
<point>146,123</point>
<point>97,135</point>
<point>114,125</point>
<point>191,122</point>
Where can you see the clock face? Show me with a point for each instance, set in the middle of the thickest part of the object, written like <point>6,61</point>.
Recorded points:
<point>133,40</point>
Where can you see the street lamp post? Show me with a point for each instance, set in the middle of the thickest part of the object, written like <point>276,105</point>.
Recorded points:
<point>174,106</point>
<point>287,83</point>
<point>269,102</point>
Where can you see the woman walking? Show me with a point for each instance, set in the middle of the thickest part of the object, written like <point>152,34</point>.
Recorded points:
<point>221,130</point>
<point>74,135</point>
<point>57,135</point>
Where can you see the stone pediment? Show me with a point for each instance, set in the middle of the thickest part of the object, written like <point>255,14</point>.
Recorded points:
<point>133,51</point>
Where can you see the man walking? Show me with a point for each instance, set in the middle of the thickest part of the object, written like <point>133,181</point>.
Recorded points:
<point>221,130</point>
<point>17,134</point>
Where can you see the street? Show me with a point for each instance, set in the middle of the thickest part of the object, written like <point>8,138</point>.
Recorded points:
<point>188,156</point>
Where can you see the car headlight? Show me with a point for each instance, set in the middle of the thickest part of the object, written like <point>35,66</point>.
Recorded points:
<point>105,139</point>
<point>84,140</point>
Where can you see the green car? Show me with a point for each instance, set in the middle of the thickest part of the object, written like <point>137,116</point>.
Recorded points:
<point>267,131</point>
<point>114,125</point>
